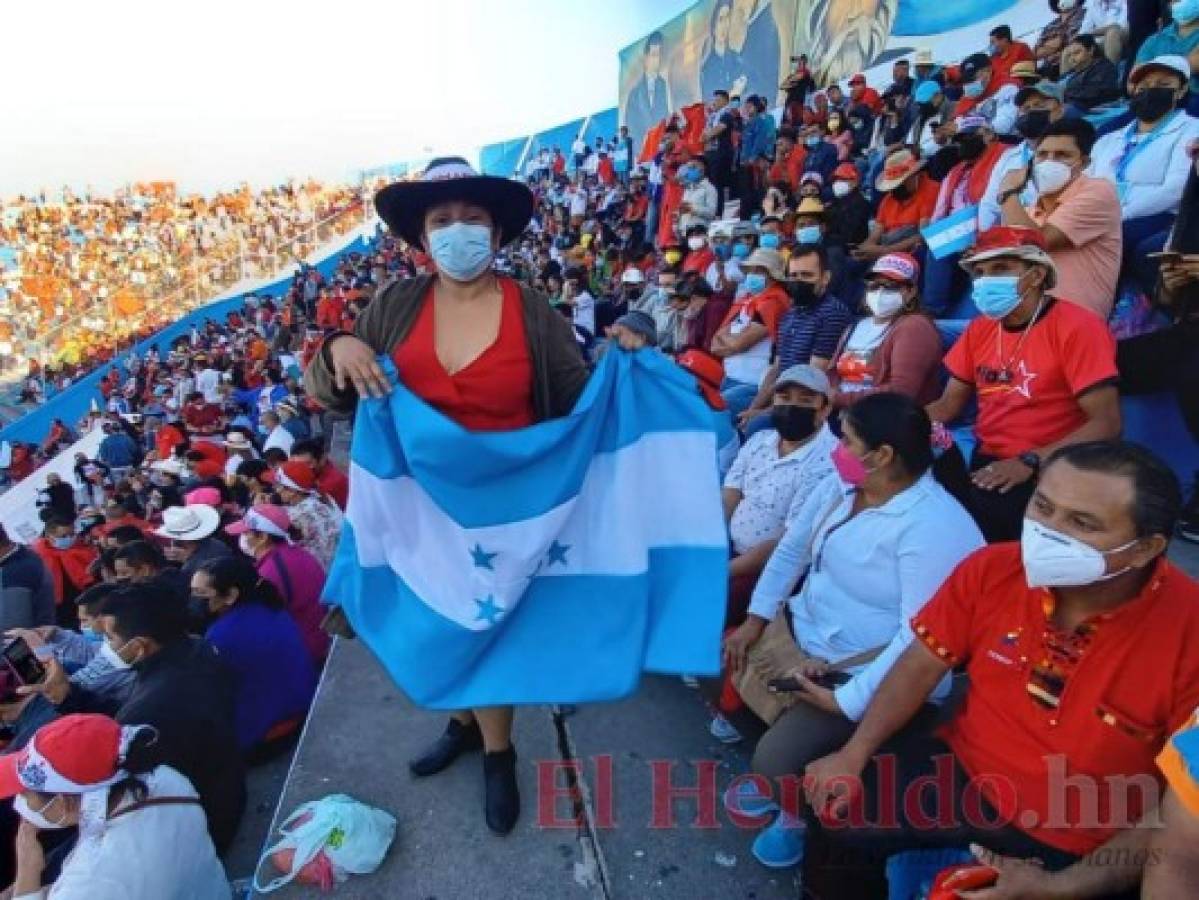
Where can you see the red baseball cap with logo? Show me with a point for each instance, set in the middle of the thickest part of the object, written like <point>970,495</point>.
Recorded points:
<point>72,755</point>
<point>1020,243</point>
<point>294,474</point>
<point>709,373</point>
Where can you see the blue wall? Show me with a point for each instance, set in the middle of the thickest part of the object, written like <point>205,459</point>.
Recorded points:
<point>73,403</point>
<point>502,158</point>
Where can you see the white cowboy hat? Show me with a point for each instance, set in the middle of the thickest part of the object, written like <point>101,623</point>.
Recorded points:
<point>188,523</point>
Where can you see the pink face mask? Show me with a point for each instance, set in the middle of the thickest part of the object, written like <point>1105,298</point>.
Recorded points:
<point>851,469</point>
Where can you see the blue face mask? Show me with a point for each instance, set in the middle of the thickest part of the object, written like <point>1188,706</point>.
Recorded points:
<point>740,251</point>
<point>974,89</point>
<point>62,543</point>
<point>1185,11</point>
<point>755,283</point>
<point>92,637</point>
<point>996,295</point>
<point>814,141</point>
<point>809,234</point>
<point>769,241</point>
<point>722,251</point>
<point>462,251</point>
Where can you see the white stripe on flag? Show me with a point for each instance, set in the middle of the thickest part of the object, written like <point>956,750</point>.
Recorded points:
<point>606,530</point>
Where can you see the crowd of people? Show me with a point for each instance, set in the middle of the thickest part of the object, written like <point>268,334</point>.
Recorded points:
<point>944,560</point>
<point>83,277</point>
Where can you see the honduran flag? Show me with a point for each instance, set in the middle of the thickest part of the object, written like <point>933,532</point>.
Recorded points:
<point>551,564</point>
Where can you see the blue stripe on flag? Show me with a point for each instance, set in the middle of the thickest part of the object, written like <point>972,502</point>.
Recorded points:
<point>953,234</point>
<point>402,435</point>
<point>572,639</point>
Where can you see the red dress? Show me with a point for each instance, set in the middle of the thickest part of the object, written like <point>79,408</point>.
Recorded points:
<point>494,392</point>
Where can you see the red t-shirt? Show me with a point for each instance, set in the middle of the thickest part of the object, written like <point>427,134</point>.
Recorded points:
<point>1001,64</point>
<point>214,459</point>
<point>333,481</point>
<point>894,213</point>
<point>204,418</point>
<point>494,392</point>
<point>166,440</point>
<point>699,260</point>
<point>1135,683</point>
<point>768,307</point>
<point>1068,352</point>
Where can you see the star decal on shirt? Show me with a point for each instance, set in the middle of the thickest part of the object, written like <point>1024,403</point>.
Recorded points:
<point>482,559</point>
<point>1021,380</point>
<point>489,610</point>
<point>557,553</point>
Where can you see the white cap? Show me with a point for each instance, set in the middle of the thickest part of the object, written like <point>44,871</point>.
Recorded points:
<point>1170,62</point>
<point>632,275</point>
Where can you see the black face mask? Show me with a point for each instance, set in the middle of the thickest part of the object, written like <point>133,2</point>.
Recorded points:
<point>802,293</point>
<point>927,110</point>
<point>902,192</point>
<point>970,147</point>
<point>1032,124</point>
<point>632,293</point>
<point>793,423</point>
<point>1152,103</point>
<point>198,613</point>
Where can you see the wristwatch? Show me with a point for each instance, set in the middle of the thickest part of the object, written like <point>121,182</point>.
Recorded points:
<point>1031,459</point>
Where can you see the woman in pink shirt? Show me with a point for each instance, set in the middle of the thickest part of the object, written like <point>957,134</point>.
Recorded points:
<point>265,535</point>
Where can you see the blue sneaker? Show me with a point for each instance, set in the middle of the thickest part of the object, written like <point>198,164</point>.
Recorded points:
<point>781,846</point>
<point>724,730</point>
<point>743,799</point>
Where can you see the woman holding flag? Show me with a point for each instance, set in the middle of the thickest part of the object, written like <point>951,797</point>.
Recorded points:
<point>482,349</point>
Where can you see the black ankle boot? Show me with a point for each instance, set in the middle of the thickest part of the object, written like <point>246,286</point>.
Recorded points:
<point>503,797</point>
<point>456,740</point>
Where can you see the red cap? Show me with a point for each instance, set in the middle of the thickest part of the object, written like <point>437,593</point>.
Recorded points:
<point>265,517</point>
<point>1008,237</point>
<point>294,474</point>
<point>709,372</point>
<point>71,755</point>
<point>858,79</point>
<point>847,171</point>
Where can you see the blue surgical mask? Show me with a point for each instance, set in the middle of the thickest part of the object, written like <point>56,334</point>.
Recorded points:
<point>740,251</point>
<point>996,295</point>
<point>1185,11</point>
<point>809,234</point>
<point>462,251</point>
<point>974,89</point>
<point>814,141</point>
<point>62,543</point>
<point>722,251</point>
<point>770,241</point>
<point>755,283</point>
<point>91,636</point>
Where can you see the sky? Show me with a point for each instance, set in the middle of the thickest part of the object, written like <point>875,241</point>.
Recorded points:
<point>208,94</point>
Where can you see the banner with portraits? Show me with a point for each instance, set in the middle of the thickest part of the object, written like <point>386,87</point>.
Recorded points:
<point>749,46</point>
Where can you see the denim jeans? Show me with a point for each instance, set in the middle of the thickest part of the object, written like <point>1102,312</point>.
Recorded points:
<point>738,395</point>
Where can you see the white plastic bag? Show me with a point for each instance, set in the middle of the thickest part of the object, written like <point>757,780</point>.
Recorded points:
<point>333,838</point>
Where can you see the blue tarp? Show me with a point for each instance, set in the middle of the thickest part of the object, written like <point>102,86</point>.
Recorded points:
<point>73,403</point>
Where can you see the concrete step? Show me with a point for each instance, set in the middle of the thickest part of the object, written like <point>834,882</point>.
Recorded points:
<point>591,838</point>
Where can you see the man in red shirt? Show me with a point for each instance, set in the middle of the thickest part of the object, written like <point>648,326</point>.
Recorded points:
<point>330,479</point>
<point>788,159</point>
<point>862,94</point>
<point>1079,647</point>
<point>907,207</point>
<point>1006,52</point>
<point>1043,371</point>
<point>202,417</point>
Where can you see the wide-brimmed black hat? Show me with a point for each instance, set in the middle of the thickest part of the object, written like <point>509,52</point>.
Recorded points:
<point>403,205</point>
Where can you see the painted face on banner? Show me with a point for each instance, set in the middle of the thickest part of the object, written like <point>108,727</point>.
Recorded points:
<point>846,36</point>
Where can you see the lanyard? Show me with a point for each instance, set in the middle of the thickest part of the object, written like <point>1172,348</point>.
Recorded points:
<point>1132,149</point>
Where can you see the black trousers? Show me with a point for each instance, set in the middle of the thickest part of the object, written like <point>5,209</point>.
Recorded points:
<point>1166,360</point>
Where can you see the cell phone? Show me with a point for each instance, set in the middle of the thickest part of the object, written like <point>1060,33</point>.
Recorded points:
<point>20,666</point>
<point>1165,255</point>
<point>830,679</point>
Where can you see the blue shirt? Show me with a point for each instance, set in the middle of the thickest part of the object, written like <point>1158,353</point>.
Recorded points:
<point>757,138</point>
<point>275,677</point>
<point>807,331</point>
<point>118,451</point>
<point>1170,42</point>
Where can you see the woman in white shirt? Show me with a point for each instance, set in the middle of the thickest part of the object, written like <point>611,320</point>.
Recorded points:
<point>876,542</point>
<point>142,832</point>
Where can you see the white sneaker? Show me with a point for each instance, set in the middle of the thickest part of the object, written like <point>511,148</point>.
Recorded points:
<point>722,729</point>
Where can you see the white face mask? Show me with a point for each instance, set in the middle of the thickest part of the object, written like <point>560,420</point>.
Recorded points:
<point>884,302</point>
<point>1051,176</point>
<point>841,188</point>
<point>35,817</point>
<point>1053,559</point>
<point>243,544</point>
<point>1065,5</point>
<point>113,657</point>
<point>695,243</point>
